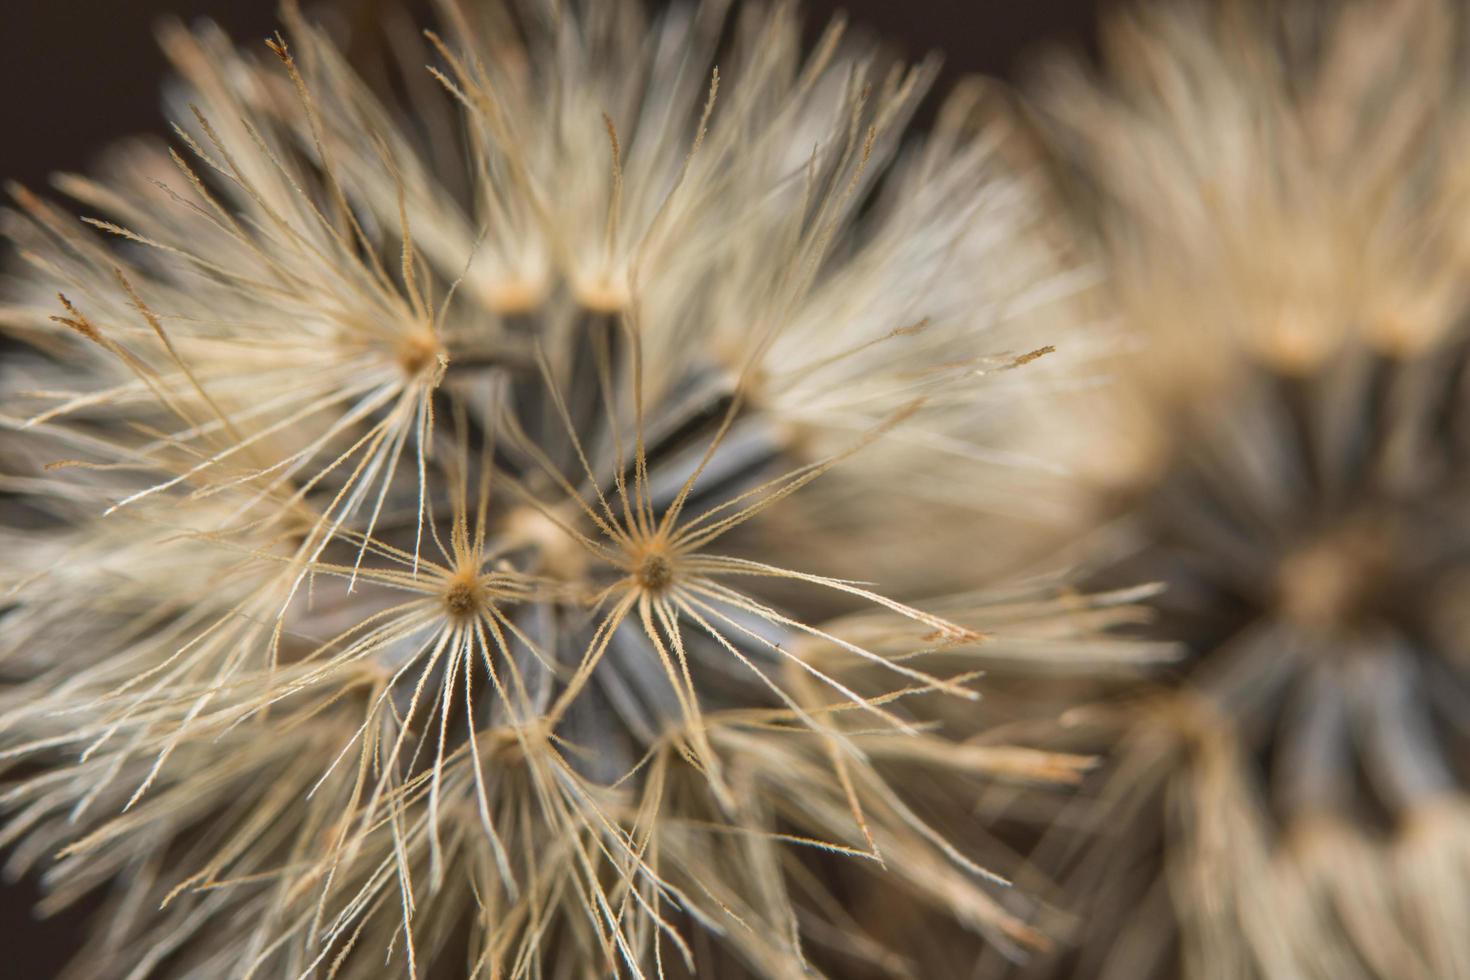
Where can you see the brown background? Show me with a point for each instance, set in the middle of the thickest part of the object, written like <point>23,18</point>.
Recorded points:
<point>77,74</point>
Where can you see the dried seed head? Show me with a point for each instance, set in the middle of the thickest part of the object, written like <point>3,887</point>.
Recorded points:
<point>1293,276</point>
<point>558,550</point>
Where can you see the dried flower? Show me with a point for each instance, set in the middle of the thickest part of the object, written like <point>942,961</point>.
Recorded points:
<point>413,583</point>
<point>1279,200</point>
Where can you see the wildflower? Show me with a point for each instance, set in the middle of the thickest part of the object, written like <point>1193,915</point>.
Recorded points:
<point>426,477</point>
<point>1279,202</point>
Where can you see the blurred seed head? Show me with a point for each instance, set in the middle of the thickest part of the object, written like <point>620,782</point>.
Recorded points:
<point>1277,195</point>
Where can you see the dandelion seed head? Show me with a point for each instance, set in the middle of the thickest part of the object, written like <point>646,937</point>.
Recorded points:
<point>1276,200</point>
<point>436,452</point>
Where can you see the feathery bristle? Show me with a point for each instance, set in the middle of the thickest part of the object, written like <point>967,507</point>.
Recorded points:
<point>418,592</point>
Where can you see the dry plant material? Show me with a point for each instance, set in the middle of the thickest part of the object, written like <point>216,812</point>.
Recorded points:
<point>1279,196</point>
<point>397,599</point>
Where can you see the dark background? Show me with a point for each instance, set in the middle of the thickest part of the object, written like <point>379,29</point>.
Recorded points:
<point>78,74</point>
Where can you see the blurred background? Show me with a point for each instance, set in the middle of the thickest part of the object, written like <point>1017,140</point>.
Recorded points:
<point>79,74</point>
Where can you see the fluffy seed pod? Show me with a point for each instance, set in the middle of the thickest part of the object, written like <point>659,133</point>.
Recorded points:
<point>411,583</point>
<point>1278,196</point>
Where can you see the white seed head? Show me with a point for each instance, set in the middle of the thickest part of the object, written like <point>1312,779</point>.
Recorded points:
<point>419,575</point>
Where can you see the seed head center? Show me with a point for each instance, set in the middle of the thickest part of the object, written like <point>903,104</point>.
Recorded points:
<point>655,572</point>
<point>463,598</point>
<point>1336,580</point>
<point>418,351</point>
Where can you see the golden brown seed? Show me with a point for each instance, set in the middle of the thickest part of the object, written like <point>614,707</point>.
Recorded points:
<point>655,573</point>
<point>463,598</point>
